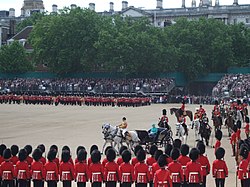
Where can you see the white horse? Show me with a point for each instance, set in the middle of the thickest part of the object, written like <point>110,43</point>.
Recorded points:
<point>180,132</point>
<point>197,129</point>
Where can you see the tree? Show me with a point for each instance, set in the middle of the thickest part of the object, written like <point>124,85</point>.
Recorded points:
<point>13,59</point>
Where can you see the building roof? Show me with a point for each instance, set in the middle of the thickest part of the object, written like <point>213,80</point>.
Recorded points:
<point>24,34</point>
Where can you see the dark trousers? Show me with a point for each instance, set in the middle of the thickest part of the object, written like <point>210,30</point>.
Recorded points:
<point>96,184</point>
<point>28,183</point>
<point>8,183</point>
<point>52,183</point>
<point>111,184</point>
<point>219,182</point>
<point>126,184</point>
<point>67,183</point>
<point>37,183</point>
<point>22,183</point>
<point>244,183</point>
<point>204,181</point>
<point>151,184</point>
<point>193,185</point>
<point>141,184</point>
<point>176,184</point>
<point>81,184</point>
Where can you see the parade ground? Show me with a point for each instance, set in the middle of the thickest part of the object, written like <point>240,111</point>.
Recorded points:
<point>75,125</point>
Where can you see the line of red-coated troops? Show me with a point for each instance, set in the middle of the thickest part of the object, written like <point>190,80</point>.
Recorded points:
<point>175,166</point>
<point>75,100</point>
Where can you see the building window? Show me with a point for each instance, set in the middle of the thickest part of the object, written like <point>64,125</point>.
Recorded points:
<point>247,20</point>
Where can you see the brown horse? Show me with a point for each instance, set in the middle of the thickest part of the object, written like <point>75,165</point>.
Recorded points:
<point>229,122</point>
<point>176,111</point>
<point>216,122</point>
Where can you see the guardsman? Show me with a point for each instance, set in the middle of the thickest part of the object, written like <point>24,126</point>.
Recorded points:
<point>66,148</point>
<point>81,168</point>
<point>194,175</point>
<point>203,160</point>
<point>105,160</point>
<point>42,148</point>
<point>92,148</point>
<point>142,174</point>
<point>22,169</point>
<point>66,169</point>
<point>218,136</point>
<point>150,161</point>
<point>96,170</point>
<point>155,165</point>
<point>162,176</point>
<point>77,150</point>
<point>164,119</point>
<point>29,159</point>
<point>175,168</point>
<point>119,160</point>
<point>219,168</point>
<point>183,160</point>
<point>14,151</point>
<point>238,124</point>
<point>168,149</point>
<point>134,160</point>
<point>202,110</point>
<point>36,169</point>
<point>247,127</point>
<point>243,170</point>
<point>126,170</point>
<point>51,171</point>
<point>54,148</point>
<point>7,170</point>
<point>111,169</point>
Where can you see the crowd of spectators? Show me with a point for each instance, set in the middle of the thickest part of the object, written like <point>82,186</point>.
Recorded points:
<point>80,85</point>
<point>236,85</point>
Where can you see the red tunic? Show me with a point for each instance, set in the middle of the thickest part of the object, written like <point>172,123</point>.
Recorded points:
<point>119,161</point>
<point>7,170</point>
<point>238,134</point>
<point>81,172</point>
<point>183,160</point>
<point>233,139</point>
<point>37,170</point>
<point>217,145</point>
<point>104,162</point>
<point>194,172</point>
<point>89,161</point>
<point>29,160</point>
<point>162,178</point>
<point>134,161</point>
<point>247,128</point>
<point>14,160</point>
<point>205,165</point>
<point>150,161</point>
<point>219,169</point>
<point>175,169</point>
<point>1,160</point>
<point>50,171</point>
<point>22,170</point>
<point>126,172</point>
<point>111,171</point>
<point>56,160</point>
<point>66,171</point>
<point>243,171</point>
<point>96,172</point>
<point>142,174</point>
<point>43,160</point>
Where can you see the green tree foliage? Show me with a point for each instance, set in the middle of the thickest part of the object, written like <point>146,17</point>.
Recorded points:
<point>32,20</point>
<point>13,59</point>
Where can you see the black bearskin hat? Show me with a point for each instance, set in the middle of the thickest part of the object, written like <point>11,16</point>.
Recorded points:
<point>14,150</point>
<point>81,155</point>
<point>247,119</point>
<point>111,155</point>
<point>220,153</point>
<point>79,148</point>
<point>216,102</point>
<point>37,154</point>
<point>202,148</point>
<point>123,148</point>
<point>126,156</point>
<point>177,143</point>
<point>42,147</point>
<point>66,148</point>
<point>164,112</point>
<point>244,152</point>
<point>2,148</point>
<point>175,153</point>
<point>28,148</point>
<point>95,156</point>
<point>137,148</point>
<point>184,149</point>
<point>157,154</point>
<point>162,160</point>
<point>52,155</point>
<point>65,156</point>
<point>107,148</point>
<point>218,134</point>
<point>152,149</point>
<point>141,155</point>
<point>235,128</point>
<point>22,155</point>
<point>54,147</point>
<point>7,154</point>
<point>239,102</point>
<point>238,124</point>
<point>194,154</point>
<point>93,147</point>
<point>168,149</point>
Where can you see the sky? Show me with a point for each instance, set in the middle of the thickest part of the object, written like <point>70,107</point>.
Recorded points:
<point>102,5</point>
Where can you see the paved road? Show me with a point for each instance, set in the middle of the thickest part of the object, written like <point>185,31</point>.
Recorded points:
<point>73,126</point>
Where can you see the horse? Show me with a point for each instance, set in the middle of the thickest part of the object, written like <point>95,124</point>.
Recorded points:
<point>205,131</point>
<point>176,111</point>
<point>196,124</point>
<point>216,122</point>
<point>180,132</point>
<point>229,122</point>
<point>163,124</point>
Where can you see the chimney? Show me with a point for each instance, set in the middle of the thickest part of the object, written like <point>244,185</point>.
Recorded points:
<point>205,3</point>
<point>193,3</point>
<point>111,7</point>
<point>217,3</point>
<point>236,2</point>
<point>159,4</point>
<point>54,8</point>
<point>12,12</point>
<point>92,6</point>
<point>73,6</point>
<point>183,4</point>
<point>124,5</point>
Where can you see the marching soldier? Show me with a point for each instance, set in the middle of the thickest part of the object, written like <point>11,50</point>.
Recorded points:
<point>233,139</point>
<point>150,161</point>
<point>36,170</point>
<point>22,169</point>
<point>77,150</point>
<point>134,160</point>
<point>92,148</point>
<point>66,169</point>
<point>96,169</point>
<point>243,170</point>
<point>81,168</point>
<point>183,160</point>
<point>51,170</point>
<point>42,148</point>
<point>7,170</point>
<point>14,159</point>
<point>219,168</point>
<point>218,136</point>
<point>119,160</point>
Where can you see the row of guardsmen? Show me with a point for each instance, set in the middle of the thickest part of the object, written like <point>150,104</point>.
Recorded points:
<point>176,166</point>
<point>74,100</point>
